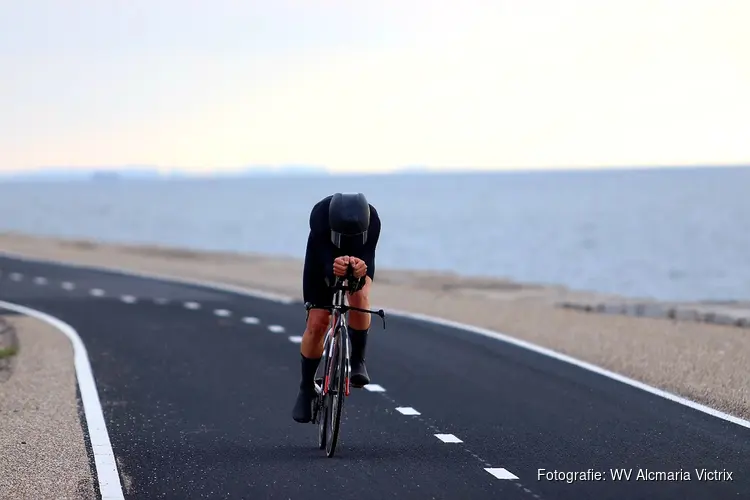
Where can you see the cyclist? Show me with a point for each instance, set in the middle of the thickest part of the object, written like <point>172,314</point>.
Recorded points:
<point>344,230</point>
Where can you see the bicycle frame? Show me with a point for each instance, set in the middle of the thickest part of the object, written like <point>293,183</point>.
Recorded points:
<point>330,362</point>
<point>339,311</point>
<point>338,328</point>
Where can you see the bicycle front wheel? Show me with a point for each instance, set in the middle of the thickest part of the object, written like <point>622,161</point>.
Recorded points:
<point>336,394</point>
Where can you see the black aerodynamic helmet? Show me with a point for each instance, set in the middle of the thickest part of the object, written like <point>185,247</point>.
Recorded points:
<point>349,218</point>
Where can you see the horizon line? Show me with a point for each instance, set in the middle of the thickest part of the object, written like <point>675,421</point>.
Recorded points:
<point>301,169</point>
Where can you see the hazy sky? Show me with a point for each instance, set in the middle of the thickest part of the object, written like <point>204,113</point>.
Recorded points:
<point>374,85</point>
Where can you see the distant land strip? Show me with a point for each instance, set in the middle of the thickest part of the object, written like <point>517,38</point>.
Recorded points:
<point>739,317</point>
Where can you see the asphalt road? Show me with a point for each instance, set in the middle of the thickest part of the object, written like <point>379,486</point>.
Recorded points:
<point>197,387</point>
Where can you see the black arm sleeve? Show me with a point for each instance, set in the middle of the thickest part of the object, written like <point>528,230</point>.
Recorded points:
<point>319,231</point>
<point>373,235</point>
<point>326,254</point>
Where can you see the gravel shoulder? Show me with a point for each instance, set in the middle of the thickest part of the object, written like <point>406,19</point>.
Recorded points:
<point>703,361</point>
<point>42,440</point>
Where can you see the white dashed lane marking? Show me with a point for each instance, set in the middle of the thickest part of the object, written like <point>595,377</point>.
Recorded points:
<point>501,473</point>
<point>406,410</point>
<point>222,313</point>
<point>192,306</point>
<point>276,328</point>
<point>161,302</point>
<point>97,292</point>
<point>68,285</point>
<point>375,388</point>
<point>249,320</point>
<point>128,299</point>
<point>448,438</point>
<point>16,276</point>
<point>40,280</point>
<point>295,338</point>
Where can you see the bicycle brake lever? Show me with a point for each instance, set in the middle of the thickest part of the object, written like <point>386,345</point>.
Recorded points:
<point>381,313</point>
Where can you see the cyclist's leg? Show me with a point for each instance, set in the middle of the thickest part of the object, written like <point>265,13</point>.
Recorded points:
<point>315,291</point>
<point>359,324</point>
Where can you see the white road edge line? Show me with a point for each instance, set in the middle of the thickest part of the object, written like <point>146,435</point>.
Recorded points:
<point>501,473</point>
<point>375,388</point>
<point>276,328</point>
<point>448,438</point>
<point>284,299</point>
<point>407,410</point>
<point>296,339</point>
<point>104,457</point>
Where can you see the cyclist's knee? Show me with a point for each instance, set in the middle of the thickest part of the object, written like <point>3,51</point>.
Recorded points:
<point>361,298</point>
<point>317,322</point>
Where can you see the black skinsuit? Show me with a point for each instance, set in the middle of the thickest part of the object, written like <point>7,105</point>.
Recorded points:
<point>321,253</point>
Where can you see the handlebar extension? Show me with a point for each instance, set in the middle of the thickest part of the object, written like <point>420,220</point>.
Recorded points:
<point>344,308</point>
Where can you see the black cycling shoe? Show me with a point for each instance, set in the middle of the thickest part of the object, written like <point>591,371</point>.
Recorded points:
<point>302,412</point>
<point>359,376</point>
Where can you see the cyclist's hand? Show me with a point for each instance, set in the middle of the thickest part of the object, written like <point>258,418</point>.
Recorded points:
<point>359,267</point>
<point>340,266</point>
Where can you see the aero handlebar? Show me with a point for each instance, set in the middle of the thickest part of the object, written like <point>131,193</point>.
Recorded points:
<point>338,285</point>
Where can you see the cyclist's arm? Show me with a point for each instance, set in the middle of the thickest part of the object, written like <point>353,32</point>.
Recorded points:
<point>373,235</point>
<point>321,236</point>
<point>326,254</point>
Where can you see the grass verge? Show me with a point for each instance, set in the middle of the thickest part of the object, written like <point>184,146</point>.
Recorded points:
<point>7,352</point>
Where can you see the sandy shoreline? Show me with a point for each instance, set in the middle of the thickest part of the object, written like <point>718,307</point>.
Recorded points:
<point>701,361</point>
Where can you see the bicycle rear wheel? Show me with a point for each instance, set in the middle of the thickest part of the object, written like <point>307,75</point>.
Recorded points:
<point>335,398</point>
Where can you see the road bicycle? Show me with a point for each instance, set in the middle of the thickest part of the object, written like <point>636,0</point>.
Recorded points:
<point>334,384</point>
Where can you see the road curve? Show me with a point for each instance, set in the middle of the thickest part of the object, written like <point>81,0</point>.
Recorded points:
<point>197,386</point>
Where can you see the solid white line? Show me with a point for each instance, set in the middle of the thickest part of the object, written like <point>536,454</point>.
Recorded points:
<point>375,388</point>
<point>68,285</point>
<point>223,287</point>
<point>223,313</point>
<point>128,299</point>
<point>573,361</point>
<point>407,410</point>
<point>192,306</point>
<point>448,438</point>
<point>250,320</point>
<point>276,328</point>
<point>97,292</point>
<point>501,473</point>
<point>40,281</point>
<point>104,457</point>
<point>415,316</point>
<point>296,339</point>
